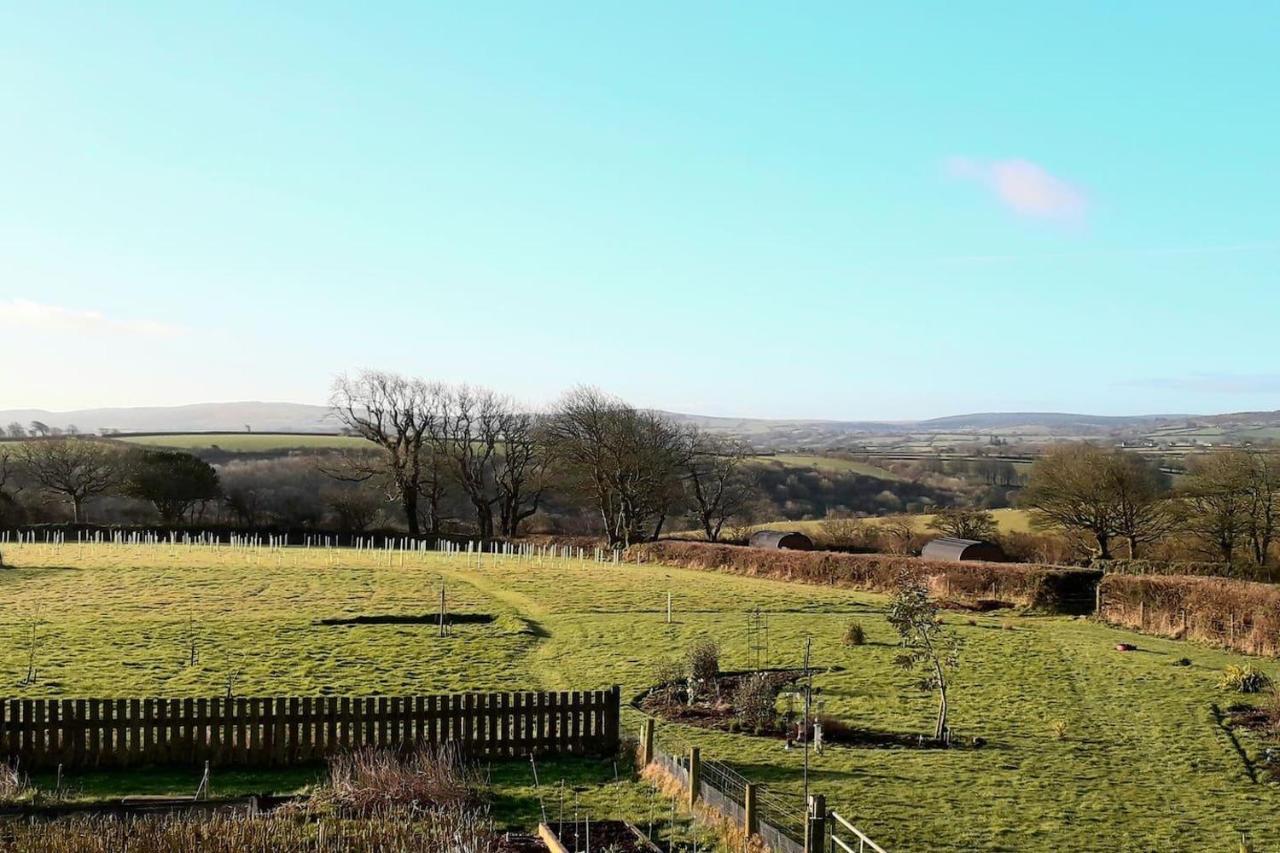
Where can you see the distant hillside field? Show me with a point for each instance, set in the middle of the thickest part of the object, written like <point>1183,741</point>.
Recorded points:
<point>1007,521</point>
<point>246,442</point>
<point>828,463</point>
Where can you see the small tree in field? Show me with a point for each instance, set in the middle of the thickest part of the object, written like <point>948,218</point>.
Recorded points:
<point>926,645</point>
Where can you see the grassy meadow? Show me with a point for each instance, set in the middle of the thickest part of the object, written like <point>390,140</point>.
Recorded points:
<point>1087,747</point>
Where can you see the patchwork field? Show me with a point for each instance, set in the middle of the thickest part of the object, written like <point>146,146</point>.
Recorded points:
<point>1086,747</point>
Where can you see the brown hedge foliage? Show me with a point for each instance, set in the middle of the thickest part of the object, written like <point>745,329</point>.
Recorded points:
<point>1040,587</point>
<point>1240,615</point>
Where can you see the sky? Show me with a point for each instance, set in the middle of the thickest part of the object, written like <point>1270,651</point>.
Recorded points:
<point>845,210</point>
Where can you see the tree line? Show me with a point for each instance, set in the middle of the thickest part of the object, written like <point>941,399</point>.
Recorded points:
<point>634,470</point>
<point>1226,506</point>
<point>435,452</point>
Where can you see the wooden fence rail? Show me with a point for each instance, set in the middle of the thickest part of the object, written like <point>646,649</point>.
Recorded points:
<point>277,732</point>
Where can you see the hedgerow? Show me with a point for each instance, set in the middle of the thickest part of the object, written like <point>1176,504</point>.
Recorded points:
<point>1048,588</point>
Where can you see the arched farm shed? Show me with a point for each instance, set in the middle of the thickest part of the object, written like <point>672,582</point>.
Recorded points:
<point>951,548</point>
<point>781,540</point>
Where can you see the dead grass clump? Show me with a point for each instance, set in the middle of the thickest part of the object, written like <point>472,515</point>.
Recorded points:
<point>371,782</point>
<point>13,785</point>
<point>454,831</point>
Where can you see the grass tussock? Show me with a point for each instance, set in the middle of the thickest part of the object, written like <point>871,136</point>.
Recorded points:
<point>14,786</point>
<point>1235,614</point>
<point>371,782</point>
<point>1047,588</point>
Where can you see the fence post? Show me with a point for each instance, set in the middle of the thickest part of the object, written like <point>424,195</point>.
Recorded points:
<point>815,828</point>
<point>612,719</point>
<point>695,774</point>
<point>646,743</point>
<point>750,817</point>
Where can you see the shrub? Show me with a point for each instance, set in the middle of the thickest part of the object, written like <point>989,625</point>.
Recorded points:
<point>704,661</point>
<point>854,635</point>
<point>669,676</point>
<point>1059,729</point>
<point>755,703</point>
<point>1243,679</point>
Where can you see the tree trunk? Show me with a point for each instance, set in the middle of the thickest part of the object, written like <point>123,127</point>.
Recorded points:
<point>941,728</point>
<point>409,500</point>
<point>1133,547</point>
<point>1104,546</point>
<point>76,503</point>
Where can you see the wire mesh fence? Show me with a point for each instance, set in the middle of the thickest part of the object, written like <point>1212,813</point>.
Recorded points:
<point>779,818</point>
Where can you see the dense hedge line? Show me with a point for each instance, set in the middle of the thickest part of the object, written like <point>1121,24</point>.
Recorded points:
<point>1241,615</point>
<point>1040,587</point>
<point>1240,571</point>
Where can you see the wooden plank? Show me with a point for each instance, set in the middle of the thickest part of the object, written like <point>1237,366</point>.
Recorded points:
<point>280,726</point>
<point>344,731</point>
<point>174,735</point>
<point>47,735</point>
<point>242,731</point>
<point>294,731</point>
<point>208,735</point>
<point>433,721</point>
<point>331,725</point>
<point>190,732</point>
<point>136,753</point>
<point>77,736</point>
<point>368,708</point>
<point>254,757</point>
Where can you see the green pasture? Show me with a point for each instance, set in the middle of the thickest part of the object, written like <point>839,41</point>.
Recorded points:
<point>1086,747</point>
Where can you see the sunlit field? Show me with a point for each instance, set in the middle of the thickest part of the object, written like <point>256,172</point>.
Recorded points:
<point>1087,747</point>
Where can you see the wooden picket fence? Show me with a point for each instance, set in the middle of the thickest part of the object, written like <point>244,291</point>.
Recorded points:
<point>41,734</point>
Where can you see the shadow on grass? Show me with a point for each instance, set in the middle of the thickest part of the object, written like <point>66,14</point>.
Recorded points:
<point>424,619</point>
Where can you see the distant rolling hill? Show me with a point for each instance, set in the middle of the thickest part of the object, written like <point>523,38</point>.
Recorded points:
<point>198,417</point>
<point>765,433</point>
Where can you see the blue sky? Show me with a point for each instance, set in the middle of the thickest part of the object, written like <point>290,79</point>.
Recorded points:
<point>845,211</point>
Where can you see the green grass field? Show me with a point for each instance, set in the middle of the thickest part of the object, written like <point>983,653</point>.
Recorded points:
<point>1143,765</point>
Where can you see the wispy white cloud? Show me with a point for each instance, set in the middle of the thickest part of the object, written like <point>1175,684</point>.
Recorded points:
<point>1221,383</point>
<point>1026,188</point>
<point>25,314</point>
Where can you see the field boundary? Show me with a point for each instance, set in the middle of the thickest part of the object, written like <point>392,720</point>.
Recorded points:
<point>39,734</point>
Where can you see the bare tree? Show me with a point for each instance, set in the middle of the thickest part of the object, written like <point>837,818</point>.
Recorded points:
<point>629,462</point>
<point>722,484</point>
<point>1231,503</point>
<point>964,523</point>
<point>398,415</point>
<point>78,469</point>
<point>524,473</point>
<point>470,436</point>
<point>17,430</point>
<point>1139,493</point>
